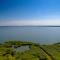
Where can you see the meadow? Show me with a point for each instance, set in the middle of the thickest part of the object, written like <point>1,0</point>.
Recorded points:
<point>35,52</point>
<point>54,50</point>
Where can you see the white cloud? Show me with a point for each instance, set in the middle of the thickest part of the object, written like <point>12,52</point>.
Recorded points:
<point>29,22</point>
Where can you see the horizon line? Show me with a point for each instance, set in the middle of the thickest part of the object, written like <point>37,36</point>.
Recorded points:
<point>34,26</point>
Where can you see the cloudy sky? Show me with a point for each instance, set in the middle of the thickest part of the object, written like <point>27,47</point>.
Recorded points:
<point>29,12</point>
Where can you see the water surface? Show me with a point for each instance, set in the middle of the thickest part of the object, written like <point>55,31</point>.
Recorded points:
<point>42,35</point>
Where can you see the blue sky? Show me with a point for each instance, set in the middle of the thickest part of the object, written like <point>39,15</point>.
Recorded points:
<point>30,12</point>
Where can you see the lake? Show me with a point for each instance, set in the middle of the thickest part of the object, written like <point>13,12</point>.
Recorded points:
<point>42,35</point>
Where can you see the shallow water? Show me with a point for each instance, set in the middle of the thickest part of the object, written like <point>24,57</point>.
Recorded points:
<point>22,48</point>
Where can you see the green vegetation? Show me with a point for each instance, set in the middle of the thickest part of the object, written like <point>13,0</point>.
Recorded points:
<point>54,50</point>
<point>35,52</point>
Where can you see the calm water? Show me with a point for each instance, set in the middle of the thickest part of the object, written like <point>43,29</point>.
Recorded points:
<point>22,48</point>
<point>42,35</point>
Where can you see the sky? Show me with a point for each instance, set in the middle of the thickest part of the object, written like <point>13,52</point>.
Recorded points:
<point>29,12</point>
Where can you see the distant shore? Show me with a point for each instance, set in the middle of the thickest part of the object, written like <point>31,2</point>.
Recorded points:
<point>32,26</point>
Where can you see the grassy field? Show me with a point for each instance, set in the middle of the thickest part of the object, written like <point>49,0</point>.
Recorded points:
<point>35,52</point>
<point>54,50</point>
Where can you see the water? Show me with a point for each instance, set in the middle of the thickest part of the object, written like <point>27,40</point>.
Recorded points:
<point>22,48</point>
<point>42,35</point>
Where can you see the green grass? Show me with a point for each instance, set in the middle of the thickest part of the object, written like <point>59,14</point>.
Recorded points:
<point>34,52</point>
<point>54,50</point>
